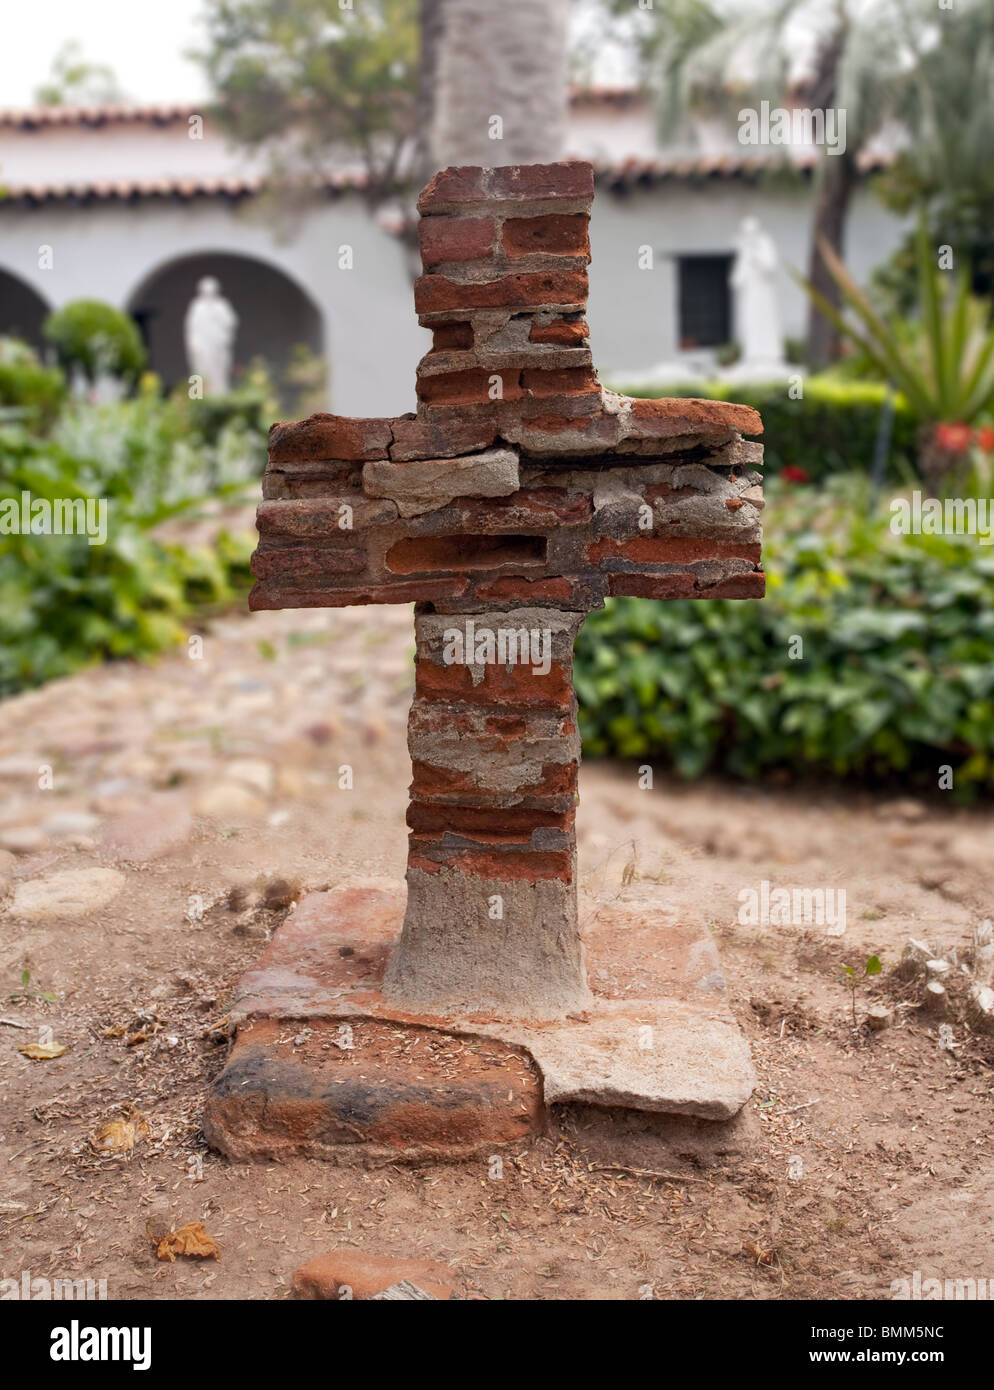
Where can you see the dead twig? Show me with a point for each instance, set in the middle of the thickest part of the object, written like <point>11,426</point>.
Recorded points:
<point>643,1173</point>
<point>791,1108</point>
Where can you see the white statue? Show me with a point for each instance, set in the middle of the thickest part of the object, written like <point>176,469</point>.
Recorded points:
<point>209,331</point>
<point>757,314</point>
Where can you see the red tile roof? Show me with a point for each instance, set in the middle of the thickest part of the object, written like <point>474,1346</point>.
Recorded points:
<point>121,113</point>
<point>44,117</point>
<point>620,178</point>
<point>179,189</point>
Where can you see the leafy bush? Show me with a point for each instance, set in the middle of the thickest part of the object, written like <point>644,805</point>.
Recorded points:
<point>65,603</point>
<point>155,445</point>
<point>25,384</point>
<point>897,674</point>
<point>831,429</point>
<point>96,338</point>
<point>942,360</point>
<point>253,404</point>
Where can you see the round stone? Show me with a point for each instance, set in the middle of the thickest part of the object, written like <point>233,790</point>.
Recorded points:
<point>73,893</point>
<point>228,801</point>
<point>23,839</point>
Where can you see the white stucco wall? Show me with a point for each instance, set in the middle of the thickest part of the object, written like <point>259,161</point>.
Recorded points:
<point>105,251</point>
<point>372,340</point>
<point>633,312</point>
<point>72,154</point>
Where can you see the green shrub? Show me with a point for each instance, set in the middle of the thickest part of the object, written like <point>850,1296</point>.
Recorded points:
<point>831,429</point>
<point>246,408</point>
<point>253,405</point>
<point>897,675</point>
<point>26,385</point>
<point>96,338</point>
<point>65,603</point>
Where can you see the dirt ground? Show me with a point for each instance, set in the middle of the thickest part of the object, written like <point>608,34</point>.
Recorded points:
<point>864,1156</point>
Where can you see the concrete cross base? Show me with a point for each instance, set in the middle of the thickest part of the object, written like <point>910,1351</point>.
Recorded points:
<point>324,1066</point>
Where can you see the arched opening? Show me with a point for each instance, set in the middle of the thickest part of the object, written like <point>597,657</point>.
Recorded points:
<point>22,311</point>
<point>274,313</point>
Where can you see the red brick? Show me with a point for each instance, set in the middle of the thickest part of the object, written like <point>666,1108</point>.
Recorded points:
<point>447,433</point>
<point>554,235</point>
<point>452,337</point>
<point>673,549</point>
<point>665,417</point>
<point>329,437</point>
<point>468,388</point>
<point>438,817</point>
<point>279,1100</point>
<point>430,783</point>
<point>568,382</point>
<point>434,294</point>
<point>367,1275</point>
<point>461,552</point>
<point>568,179</point>
<point>456,185</point>
<point>526,590</point>
<point>652,586</point>
<point>560,332</point>
<point>579,406</point>
<point>500,685</point>
<point>456,239</point>
<point>273,594</point>
<point>544,506</point>
<point>528,865</point>
<point>427,780</point>
<point>318,517</point>
<point>738,586</point>
<point>290,563</point>
<point>484,726</point>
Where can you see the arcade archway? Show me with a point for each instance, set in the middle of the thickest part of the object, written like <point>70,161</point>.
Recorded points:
<point>22,310</point>
<point>274,313</point>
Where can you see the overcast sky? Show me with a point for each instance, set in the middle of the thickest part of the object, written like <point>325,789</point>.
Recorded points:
<point>142,40</point>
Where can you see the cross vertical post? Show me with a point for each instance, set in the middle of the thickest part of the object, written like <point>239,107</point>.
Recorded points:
<point>517,498</point>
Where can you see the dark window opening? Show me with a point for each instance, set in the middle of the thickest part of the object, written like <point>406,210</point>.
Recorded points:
<point>705,308</point>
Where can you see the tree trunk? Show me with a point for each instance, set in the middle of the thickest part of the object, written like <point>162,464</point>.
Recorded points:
<point>501,84</point>
<point>480,61</point>
<point>430,22</point>
<point>836,180</point>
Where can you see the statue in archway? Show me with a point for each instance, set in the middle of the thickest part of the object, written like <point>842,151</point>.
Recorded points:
<point>757,313</point>
<point>209,330</point>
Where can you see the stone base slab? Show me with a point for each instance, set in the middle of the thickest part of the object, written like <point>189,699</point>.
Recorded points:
<point>323,1066</point>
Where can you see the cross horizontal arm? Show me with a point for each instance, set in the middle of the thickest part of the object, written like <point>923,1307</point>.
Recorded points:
<point>519,479</point>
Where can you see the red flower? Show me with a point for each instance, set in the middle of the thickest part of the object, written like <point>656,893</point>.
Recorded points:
<point>793,474</point>
<point>955,438</point>
<point>985,438</point>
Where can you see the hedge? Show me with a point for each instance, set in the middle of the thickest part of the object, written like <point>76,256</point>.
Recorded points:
<point>897,673</point>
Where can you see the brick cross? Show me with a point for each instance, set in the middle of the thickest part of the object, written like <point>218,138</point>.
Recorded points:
<point>515,500</point>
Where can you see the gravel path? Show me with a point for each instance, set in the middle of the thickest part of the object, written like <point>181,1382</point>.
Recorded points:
<point>155,824</point>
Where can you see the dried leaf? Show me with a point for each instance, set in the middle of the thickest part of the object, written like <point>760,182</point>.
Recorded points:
<point>761,1256</point>
<point>192,1240</point>
<point>119,1136</point>
<point>42,1052</point>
